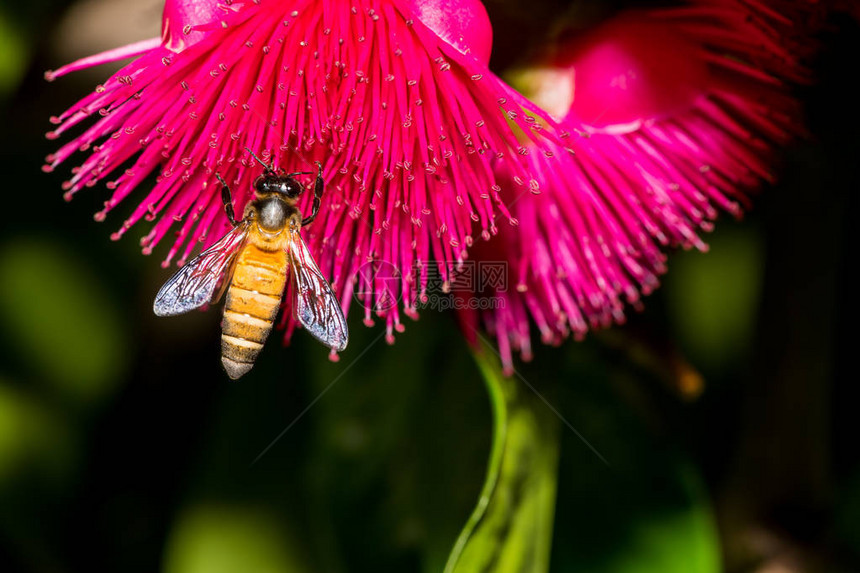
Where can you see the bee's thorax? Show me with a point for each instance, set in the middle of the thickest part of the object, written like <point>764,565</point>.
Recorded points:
<point>272,213</point>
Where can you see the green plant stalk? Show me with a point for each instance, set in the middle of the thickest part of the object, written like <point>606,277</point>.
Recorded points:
<point>510,529</point>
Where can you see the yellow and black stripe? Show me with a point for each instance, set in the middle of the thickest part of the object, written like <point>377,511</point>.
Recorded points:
<point>252,304</point>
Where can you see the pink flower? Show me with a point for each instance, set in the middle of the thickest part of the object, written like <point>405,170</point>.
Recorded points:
<point>680,111</point>
<point>394,97</point>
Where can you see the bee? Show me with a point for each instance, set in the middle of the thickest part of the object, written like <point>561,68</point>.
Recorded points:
<point>251,263</point>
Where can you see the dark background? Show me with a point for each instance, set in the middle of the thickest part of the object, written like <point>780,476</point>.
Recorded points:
<point>123,446</point>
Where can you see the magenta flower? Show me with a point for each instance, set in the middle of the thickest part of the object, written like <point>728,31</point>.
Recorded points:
<point>393,97</point>
<point>680,110</point>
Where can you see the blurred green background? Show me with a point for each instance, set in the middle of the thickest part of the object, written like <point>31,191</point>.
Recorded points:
<point>725,411</point>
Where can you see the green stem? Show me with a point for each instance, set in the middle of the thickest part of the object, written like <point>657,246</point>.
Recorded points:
<point>510,528</point>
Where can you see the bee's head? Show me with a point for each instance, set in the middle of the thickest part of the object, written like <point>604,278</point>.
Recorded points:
<point>272,182</point>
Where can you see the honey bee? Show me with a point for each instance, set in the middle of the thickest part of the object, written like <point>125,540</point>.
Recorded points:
<point>250,262</point>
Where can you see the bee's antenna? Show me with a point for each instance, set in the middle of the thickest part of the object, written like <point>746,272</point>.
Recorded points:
<point>260,160</point>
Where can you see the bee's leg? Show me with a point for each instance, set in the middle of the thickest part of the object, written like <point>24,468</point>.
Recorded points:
<point>228,201</point>
<point>318,193</point>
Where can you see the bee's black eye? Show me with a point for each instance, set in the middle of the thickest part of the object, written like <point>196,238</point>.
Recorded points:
<point>291,189</point>
<point>261,184</point>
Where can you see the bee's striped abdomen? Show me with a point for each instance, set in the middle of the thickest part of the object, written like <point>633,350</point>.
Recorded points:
<point>252,304</point>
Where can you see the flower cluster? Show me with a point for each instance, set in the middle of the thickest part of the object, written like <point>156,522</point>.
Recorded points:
<point>406,119</point>
<point>679,112</point>
<point>674,116</point>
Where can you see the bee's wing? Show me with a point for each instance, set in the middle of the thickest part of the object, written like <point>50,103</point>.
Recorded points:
<point>195,283</point>
<point>314,303</point>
